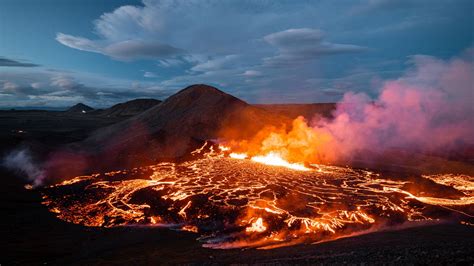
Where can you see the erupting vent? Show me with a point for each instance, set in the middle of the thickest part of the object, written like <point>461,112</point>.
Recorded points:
<point>237,202</point>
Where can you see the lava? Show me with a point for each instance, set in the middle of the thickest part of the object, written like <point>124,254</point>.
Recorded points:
<point>256,226</point>
<point>239,201</point>
<point>276,160</point>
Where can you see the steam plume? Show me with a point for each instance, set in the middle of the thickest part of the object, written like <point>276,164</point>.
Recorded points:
<point>429,109</point>
<point>21,161</point>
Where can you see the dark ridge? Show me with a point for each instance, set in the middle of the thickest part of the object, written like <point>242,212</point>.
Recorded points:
<point>128,109</point>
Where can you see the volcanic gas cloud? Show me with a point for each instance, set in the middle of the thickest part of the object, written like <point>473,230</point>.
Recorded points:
<point>429,110</point>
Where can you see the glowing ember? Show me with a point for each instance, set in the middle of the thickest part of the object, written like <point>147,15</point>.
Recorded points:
<point>190,228</point>
<point>256,226</point>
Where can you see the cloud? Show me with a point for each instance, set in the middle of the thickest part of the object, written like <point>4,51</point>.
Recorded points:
<point>126,50</point>
<point>238,37</point>
<point>6,62</point>
<point>166,30</point>
<point>216,64</point>
<point>148,74</point>
<point>251,73</point>
<point>372,6</point>
<point>429,109</point>
<point>23,91</point>
<point>127,33</point>
<point>301,45</point>
<point>63,81</point>
<point>59,89</point>
<point>258,49</point>
<point>166,63</point>
<point>36,85</point>
<point>10,86</point>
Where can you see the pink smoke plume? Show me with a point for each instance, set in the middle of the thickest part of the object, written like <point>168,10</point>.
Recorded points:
<point>429,110</point>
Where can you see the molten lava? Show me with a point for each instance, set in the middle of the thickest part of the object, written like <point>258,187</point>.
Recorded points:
<point>276,160</point>
<point>256,226</point>
<point>302,144</point>
<point>267,192</point>
<point>264,201</point>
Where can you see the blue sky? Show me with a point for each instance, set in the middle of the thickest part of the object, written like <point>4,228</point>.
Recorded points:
<point>57,53</point>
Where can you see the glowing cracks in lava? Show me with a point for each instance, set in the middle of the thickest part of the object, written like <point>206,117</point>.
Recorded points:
<point>260,206</point>
<point>182,212</point>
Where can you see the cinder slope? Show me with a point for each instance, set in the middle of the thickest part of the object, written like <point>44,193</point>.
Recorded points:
<point>128,109</point>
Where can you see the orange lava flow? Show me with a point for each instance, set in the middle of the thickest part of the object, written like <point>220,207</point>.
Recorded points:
<point>274,159</point>
<point>234,199</point>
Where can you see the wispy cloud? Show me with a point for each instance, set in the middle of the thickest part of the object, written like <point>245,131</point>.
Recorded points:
<point>7,62</point>
<point>122,50</point>
<point>301,45</point>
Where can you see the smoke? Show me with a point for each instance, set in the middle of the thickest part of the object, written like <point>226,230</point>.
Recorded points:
<point>21,161</point>
<point>429,110</point>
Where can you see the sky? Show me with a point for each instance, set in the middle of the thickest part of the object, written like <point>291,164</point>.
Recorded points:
<point>55,53</point>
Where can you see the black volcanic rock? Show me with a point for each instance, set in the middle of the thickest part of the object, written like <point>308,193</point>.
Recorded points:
<point>129,108</point>
<point>80,108</point>
<point>181,122</point>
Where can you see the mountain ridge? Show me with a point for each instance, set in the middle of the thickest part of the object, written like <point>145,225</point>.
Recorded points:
<point>128,108</point>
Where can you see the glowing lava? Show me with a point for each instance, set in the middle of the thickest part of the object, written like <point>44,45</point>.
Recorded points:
<point>276,160</point>
<point>256,226</point>
<point>234,203</point>
<point>238,155</point>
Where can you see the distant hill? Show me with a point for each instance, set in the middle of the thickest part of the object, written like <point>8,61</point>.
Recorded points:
<point>128,109</point>
<point>80,108</point>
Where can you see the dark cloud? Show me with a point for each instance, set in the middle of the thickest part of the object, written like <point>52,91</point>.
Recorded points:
<point>6,62</point>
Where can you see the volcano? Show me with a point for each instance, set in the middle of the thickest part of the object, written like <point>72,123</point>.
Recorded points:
<point>180,124</point>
